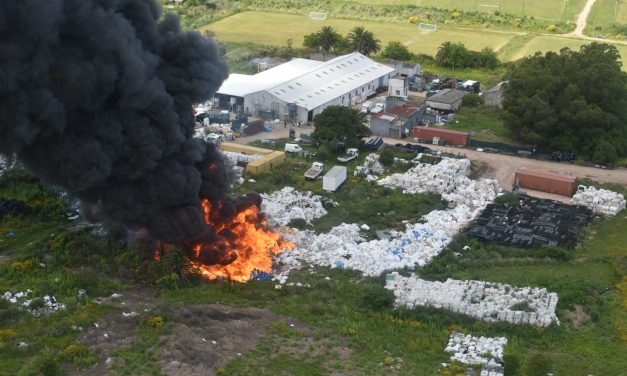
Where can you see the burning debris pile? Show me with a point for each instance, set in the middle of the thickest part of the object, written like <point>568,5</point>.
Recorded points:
<point>475,351</point>
<point>36,306</point>
<point>482,300</point>
<point>532,223</point>
<point>114,124</point>
<point>287,204</point>
<point>601,201</point>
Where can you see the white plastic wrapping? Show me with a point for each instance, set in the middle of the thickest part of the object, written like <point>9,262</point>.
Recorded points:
<point>485,301</point>
<point>284,205</point>
<point>601,201</point>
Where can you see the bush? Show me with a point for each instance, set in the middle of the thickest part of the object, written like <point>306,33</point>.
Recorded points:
<point>387,157</point>
<point>376,297</point>
<point>473,100</point>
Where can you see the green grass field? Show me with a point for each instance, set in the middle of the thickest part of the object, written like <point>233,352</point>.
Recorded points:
<point>552,9</point>
<point>546,43</point>
<point>261,28</point>
<point>604,17</point>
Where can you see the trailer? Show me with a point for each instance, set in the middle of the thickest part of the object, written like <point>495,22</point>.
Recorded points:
<point>334,178</point>
<point>315,171</point>
<point>351,154</point>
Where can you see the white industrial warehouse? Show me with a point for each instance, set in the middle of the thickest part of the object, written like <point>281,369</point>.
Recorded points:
<point>300,89</point>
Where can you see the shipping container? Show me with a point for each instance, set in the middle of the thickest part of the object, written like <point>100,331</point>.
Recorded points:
<point>545,181</point>
<point>266,163</point>
<point>334,178</point>
<point>456,138</point>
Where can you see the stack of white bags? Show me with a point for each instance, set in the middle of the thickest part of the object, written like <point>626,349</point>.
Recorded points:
<point>475,351</point>
<point>601,201</point>
<point>282,206</point>
<point>482,300</point>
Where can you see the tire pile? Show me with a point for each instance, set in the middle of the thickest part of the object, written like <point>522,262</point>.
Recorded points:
<point>532,223</point>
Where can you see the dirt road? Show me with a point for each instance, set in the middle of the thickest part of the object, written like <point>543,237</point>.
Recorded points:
<point>499,167</point>
<point>582,19</point>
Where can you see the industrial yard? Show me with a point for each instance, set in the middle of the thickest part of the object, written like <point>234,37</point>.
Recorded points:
<point>321,209</point>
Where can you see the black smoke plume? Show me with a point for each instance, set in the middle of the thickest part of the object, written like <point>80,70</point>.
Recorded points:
<point>96,97</point>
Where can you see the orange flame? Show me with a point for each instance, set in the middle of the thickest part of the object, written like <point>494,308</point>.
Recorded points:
<point>252,242</point>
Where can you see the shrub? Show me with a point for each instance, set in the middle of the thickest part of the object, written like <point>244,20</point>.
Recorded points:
<point>387,157</point>
<point>156,322</point>
<point>551,28</point>
<point>6,334</point>
<point>537,365</point>
<point>473,100</point>
<point>376,297</point>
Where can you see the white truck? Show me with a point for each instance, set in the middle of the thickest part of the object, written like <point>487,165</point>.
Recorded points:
<point>366,107</point>
<point>293,148</point>
<point>334,178</point>
<point>315,170</point>
<point>379,107</point>
<point>351,153</point>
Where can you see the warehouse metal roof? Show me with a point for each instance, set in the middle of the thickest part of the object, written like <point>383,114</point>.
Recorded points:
<point>309,83</point>
<point>239,85</point>
<point>330,80</point>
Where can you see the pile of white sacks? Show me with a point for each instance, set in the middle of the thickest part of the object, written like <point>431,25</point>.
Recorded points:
<point>371,168</point>
<point>475,351</point>
<point>448,178</point>
<point>343,246</point>
<point>282,206</point>
<point>24,299</point>
<point>601,201</point>
<point>482,300</point>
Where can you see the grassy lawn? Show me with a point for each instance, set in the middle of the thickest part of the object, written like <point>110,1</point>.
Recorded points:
<point>484,123</point>
<point>556,9</point>
<point>544,43</point>
<point>260,27</point>
<point>350,325</point>
<point>607,17</point>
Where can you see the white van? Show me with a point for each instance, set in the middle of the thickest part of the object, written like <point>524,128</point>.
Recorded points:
<point>293,148</point>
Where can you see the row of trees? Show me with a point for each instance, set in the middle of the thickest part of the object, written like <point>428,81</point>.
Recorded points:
<point>456,55</point>
<point>328,39</point>
<point>574,101</point>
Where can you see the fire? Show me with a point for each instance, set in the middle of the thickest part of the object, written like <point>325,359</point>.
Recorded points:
<point>245,244</point>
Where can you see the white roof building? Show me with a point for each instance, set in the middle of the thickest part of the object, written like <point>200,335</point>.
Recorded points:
<point>300,89</point>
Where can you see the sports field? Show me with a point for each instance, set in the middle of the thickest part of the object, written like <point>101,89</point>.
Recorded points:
<point>277,28</point>
<point>548,9</point>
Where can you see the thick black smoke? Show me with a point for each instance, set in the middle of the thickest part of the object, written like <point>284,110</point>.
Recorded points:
<point>96,97</point>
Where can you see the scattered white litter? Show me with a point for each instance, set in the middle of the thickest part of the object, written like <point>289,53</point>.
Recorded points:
<point>130,314</point>
<point>36,306</point>
<point>284,205</point>
<point>475,351</point>
<point>482,300</point>
<point>343,245</point>
<point>601,201</point>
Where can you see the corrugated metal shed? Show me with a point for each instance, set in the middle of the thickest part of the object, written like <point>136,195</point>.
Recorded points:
<point>330,80</point>
<point>239,85</point>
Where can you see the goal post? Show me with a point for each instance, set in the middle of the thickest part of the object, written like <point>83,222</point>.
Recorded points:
<point>427,27</point>
<point>488,8</point>
<point>317,16</point>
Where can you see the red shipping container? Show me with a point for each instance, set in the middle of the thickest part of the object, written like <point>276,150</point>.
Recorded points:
<point>452,137</point>
<point>544,181</point>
